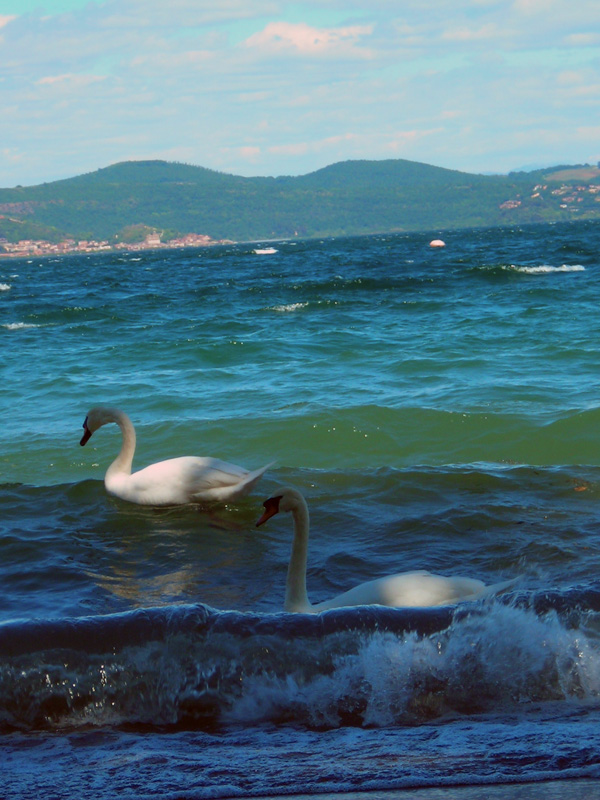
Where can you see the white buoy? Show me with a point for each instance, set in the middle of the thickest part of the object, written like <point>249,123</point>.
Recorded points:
<point>437,243</point>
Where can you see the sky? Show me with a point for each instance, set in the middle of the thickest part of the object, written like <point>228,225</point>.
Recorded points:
<point>268,87</point>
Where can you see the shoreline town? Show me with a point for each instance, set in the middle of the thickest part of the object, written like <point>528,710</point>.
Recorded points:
<point>40,247</point>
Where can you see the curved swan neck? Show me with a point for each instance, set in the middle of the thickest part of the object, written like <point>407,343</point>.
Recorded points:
<point>122,463</point>
<point>296,598</point>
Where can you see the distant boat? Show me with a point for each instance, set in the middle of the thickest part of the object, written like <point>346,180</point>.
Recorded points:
<point>266,251</point>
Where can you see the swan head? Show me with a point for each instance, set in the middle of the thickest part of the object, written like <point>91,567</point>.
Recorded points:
<point>96,418</point>
<point>288,500</point>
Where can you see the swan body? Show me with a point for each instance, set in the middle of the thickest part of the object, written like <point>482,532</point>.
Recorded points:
<point>405,590</point>
<point>176,481</point>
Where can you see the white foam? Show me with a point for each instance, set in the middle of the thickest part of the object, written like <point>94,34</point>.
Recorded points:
<point>290,307</point>
<point>4,287</point>
<point>15,326</point>
<point>496,658</point>
<point>545,269</point>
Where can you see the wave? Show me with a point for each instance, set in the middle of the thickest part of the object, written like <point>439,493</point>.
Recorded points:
<point>17,326</point>
<point>197,668</point>
<point>371,436</point>
<point>5,287</point>
<point>306,436</point>
<point>545,269</point>
<point>505,270</point>
<point>289,307</point>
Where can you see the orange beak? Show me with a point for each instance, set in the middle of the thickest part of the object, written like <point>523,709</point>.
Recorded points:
<point>271,508</point>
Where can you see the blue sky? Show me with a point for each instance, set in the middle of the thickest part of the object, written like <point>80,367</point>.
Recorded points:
<point>266,87</point>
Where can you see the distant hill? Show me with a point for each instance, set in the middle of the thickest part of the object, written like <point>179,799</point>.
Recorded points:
<point>351,197</point>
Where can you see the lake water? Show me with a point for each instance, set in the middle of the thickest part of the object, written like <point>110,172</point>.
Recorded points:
<point>439,409</point>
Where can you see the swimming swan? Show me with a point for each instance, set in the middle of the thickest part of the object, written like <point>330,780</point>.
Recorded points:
<point>173,482</point>
<point>408,589</point>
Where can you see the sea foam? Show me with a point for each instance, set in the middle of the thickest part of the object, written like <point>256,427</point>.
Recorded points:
<point>545,269</point>
<point>289,307</point>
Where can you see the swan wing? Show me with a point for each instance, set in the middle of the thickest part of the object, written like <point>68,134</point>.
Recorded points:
<point>188,479</point>
<point>502,586</point>
<point>223,481</point>
<point>419,589</point>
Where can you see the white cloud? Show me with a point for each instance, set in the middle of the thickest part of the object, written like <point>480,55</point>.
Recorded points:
<point>275,87</point>
<point>248,155</point>
<point>285,37</point>
<point>11,155</point>
<point>589,132</point>
<point>77,81</point>
<point>533,6</point>
<point>588,39</point>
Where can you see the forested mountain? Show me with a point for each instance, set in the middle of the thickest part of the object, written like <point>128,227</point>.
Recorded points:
<point>352,197</point>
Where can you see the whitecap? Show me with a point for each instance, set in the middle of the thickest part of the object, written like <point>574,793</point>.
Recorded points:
<point>4,287</point>
<point>15,326</point>
<point>289,307</point>
<point>545,269</point>
<point>498,657</point>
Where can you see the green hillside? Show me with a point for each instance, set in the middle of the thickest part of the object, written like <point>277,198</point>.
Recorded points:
<point>352,197</point>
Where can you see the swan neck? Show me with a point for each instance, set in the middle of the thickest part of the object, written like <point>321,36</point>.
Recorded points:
<point>122,463</point>
<point>296,598</point>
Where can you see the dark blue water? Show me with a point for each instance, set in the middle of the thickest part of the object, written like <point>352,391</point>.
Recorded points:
<point>438,409</point>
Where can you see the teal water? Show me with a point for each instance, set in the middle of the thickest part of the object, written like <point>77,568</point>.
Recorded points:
<point>439,410</point>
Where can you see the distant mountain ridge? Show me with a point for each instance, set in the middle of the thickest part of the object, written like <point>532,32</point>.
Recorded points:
<point>346,198</point>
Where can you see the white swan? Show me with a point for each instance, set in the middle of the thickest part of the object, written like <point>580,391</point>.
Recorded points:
<point>173,482</point>
<point>407,589</point>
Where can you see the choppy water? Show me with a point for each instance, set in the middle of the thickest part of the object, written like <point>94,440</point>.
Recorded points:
<point>438,408</point>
